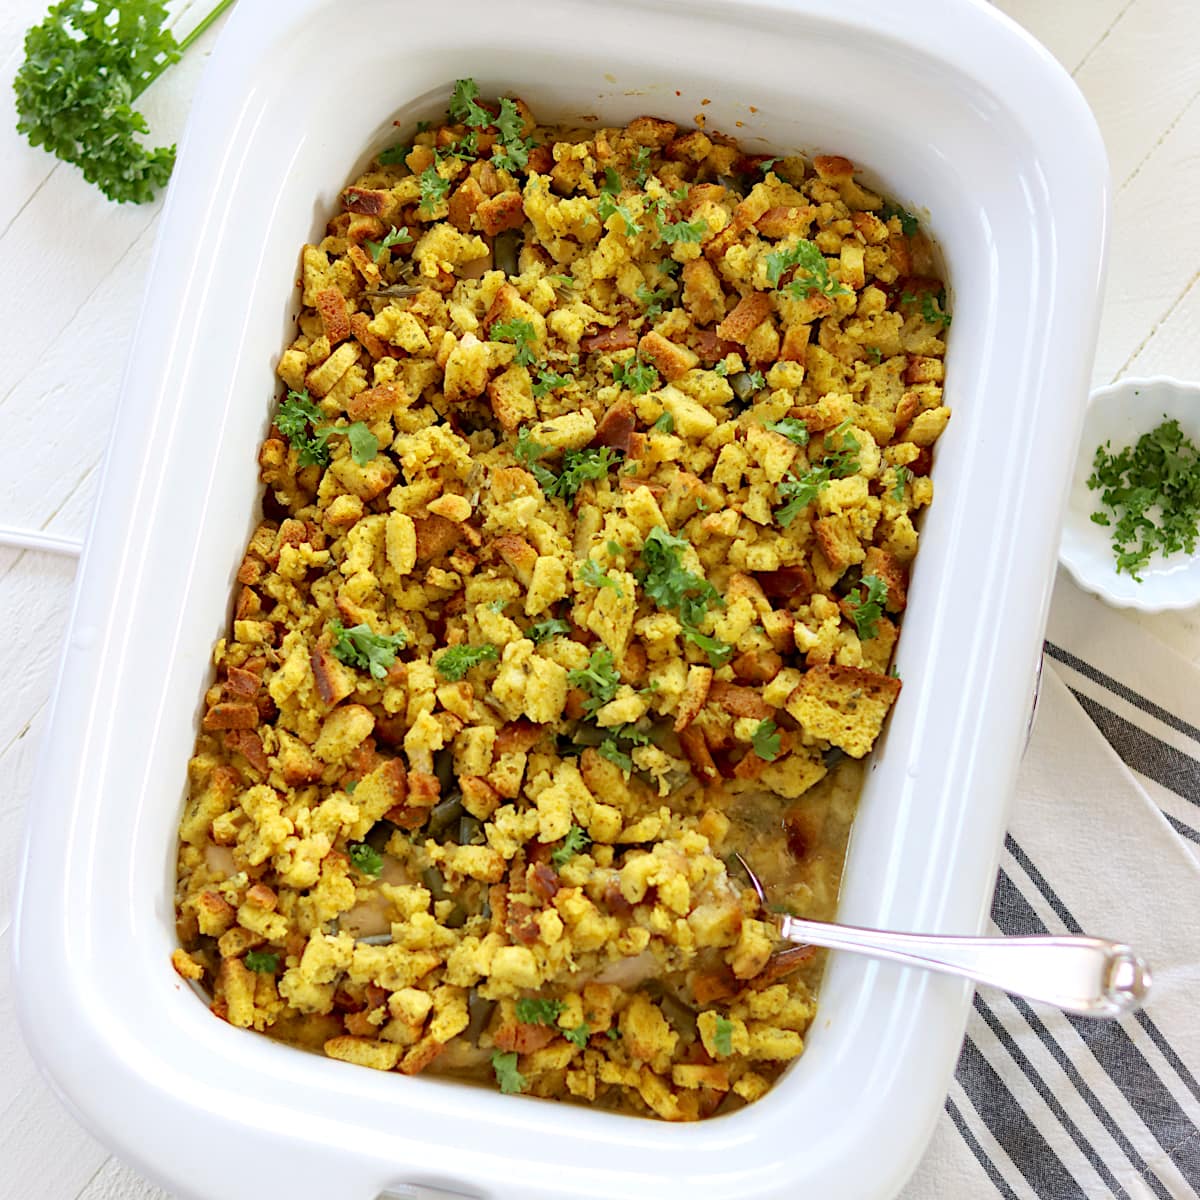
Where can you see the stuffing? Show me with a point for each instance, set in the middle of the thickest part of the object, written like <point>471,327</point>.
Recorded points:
<point>592,508</point>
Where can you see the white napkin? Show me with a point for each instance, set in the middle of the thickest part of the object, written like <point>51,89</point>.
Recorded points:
<point>1048,1106</point>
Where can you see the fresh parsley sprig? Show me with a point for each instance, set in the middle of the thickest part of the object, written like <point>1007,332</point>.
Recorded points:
<point>672,586</point>
<point>362,648</point>
<point>520,333</point>
<point>365,858</point>
<point>600,679</point>
<point>594,575</point>
<point>297,411</point>
<point>394,237</point>
<point>504,1064</point>
<point>866,605</point>
<point>637,376</point>
<point>766,741</point>
<point>576,842</point>
<point>810,271</point>
<point>536,1010</point>
<point>454,663</point>
<point>85,65</point>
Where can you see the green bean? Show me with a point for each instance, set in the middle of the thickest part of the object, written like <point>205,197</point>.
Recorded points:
<point>505,250</point>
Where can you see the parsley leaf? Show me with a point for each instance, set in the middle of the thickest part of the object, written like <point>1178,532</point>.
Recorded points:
<point>520,333</point>
<point>610,750</point>
<point>653,300</point>
<point>799,491</point>
<point>364,858</point>
<point>866,605</point>
<point>548,381</point>
<point>681,231</point>
<point>292,419</point>
<point>594,575</point>
<point>509,122</point>
<point>359,647</point>
<point>932,309</point>
<point>463,106</point>
<point>579,466</point>
<point>875,354</point>
<point>580,1034</point>
<point>262,961</point>
<point>671,586</point>
<point>394,154</point>
<point>723,1037</point>
<point>543,631</point>
<point>903,475</point>
<point>792,429</point>
<point>434,189</point>
<point>804,257</point>
<point>908,223</point>
<point>538,1011</point>
<point>576,842</point>
<point>504,1063</point>
<point>454,663</point>
<point>766,741</point>
<point>664,424</point>
<point>364,445</point>
<point>527,452</point>
<point>1160,471</point>
<point>395,237</point>
<point>639,377</point>
<point>641,165</point>
<point>599,679</point>
<point>608,205</point>
<point>85,65</point>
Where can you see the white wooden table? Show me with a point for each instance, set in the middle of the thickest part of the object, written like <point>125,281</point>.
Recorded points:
<point>73,268</point>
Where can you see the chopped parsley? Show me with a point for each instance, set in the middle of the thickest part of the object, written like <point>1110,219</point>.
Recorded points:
<point>933,309</point>
<point>262,961</point>
<point>514,146</point>
<point>799,491</point>
<point>866,605</point>
<point>766,741</point>
<point>723,1037</point>
<point>453,664</point>
<point>594,575</point>
<point>520,333</point>
<point>608,205</point>
<point>394,154</point>
<point>669,233</point>
<point>464,107</point>
<point>536,1011</point>
<point>543,631</point>
<point>364,445</point>
<point>580,466</point>
<point>504,1063</point>
<point>792,429</point>
<point>1161,471</point>
<point>908,223</point>
<point>527,452</point>
<point>638,376</point>
<point>576,842</point>
<point>297,411</point>
<point>874,354</point>
<point>903,475</point>
<point>664,424</point>
<point>613,752</point>
<point>365,858</point>
<point>580,1034</point>
<point>653,300</point>
<point>434,189</point>
<point>365,650</point>
<point>548,381</point>
<point>805,258</point>
<point>292,419</point>
<point>641,165</point>
<point>395,237</point>
<point>671,586</point>
<point>599,679</point>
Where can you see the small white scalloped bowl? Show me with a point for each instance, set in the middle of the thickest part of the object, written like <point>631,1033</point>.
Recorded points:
<point>1119,414</point>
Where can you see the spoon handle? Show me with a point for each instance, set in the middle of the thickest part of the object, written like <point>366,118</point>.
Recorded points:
<point>1086,975</point>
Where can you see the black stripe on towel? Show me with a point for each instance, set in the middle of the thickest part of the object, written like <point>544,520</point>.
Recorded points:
<point>1012,1127</point>
<point>1031,1072</point>
<point>1119,689</point>
<point>981,1155</point>
<point>1017,908</point>
<point>1183,830</point>
<point>1110,1044</point>
<point>1151,756</point>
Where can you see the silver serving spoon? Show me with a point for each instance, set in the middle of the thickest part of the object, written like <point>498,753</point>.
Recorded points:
<point>1085,975</point>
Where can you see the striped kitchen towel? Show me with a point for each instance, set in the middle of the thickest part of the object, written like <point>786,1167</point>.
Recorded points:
<point>1105,838</point>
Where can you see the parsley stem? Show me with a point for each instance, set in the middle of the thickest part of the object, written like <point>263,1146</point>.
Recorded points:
<point>194,35</point>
